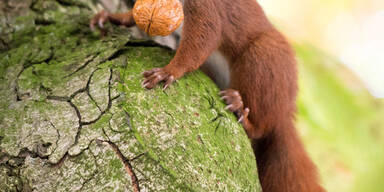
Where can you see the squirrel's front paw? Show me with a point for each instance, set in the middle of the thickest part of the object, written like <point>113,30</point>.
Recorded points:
<point>235,104</point>
<point>99,20</point>
<point>156,75</point>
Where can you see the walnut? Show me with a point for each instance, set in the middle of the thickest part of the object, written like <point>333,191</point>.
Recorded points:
<point>158,17</point>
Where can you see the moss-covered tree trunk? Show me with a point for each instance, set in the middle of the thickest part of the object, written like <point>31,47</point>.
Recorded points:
<point>74,117</point>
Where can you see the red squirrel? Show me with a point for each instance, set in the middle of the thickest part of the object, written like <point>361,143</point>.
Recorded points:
<point>263,82</point>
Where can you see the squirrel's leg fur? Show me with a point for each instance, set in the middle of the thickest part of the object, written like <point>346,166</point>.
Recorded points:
<point>266,78</point>
<point>102,17</point>
<point>200,38</point>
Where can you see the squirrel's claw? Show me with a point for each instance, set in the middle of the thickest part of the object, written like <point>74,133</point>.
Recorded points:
<point>99,19</point>
<point>233,100</point>
<point>235,103</point>
<point>150,72</point>
<point>244,115</point>
<point>156,75</point>
<point>170,80</point>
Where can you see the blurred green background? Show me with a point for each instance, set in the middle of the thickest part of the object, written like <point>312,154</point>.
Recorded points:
<point>341,124</point>
<point>339,119</point>
<point>340,50</point>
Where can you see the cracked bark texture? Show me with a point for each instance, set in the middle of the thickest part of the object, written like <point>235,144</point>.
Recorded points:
<point>74,117</point>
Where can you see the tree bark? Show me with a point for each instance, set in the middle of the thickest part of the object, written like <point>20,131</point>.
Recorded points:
<point>74,117</point>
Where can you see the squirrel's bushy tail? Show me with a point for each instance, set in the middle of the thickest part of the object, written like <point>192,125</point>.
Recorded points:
<point>283,163</point>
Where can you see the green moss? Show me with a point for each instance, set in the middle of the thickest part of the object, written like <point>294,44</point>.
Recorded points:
<point>115,163</point>
<point>65,77</point>
<point>169,132</point>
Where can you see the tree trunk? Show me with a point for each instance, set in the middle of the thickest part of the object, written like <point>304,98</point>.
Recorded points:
<point>74,117</point>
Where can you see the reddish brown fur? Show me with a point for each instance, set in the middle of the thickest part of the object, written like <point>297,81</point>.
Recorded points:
<point>263,70</point>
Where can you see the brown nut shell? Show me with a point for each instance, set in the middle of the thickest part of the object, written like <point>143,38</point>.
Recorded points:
<point>158,17</point>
